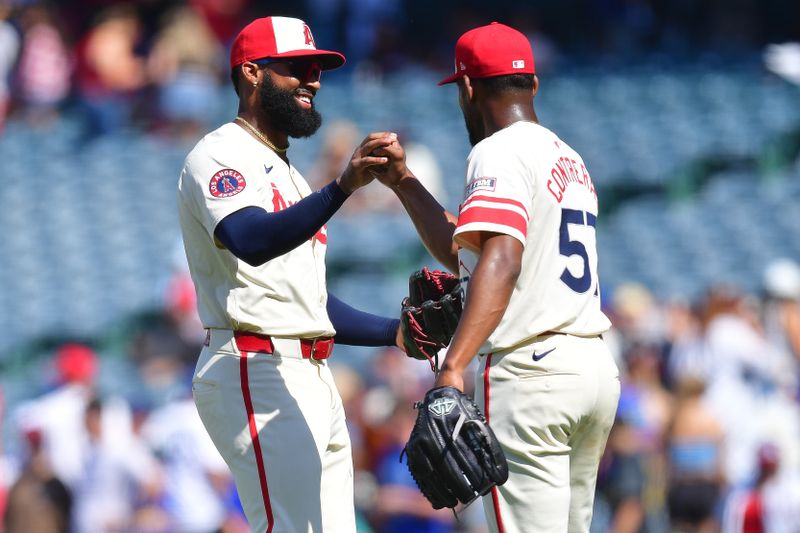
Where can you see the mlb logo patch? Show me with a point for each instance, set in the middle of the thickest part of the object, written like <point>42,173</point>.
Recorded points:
<point>226,183</point>
<point>483,183</point>
<point>518,63</point>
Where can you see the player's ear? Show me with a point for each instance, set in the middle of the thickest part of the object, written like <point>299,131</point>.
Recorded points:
<point>250,75</point>
<point>535,84</point>
<point>469,89</point>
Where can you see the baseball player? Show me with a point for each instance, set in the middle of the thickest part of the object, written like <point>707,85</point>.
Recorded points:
<point>524,245</point>
<point>255,240</point>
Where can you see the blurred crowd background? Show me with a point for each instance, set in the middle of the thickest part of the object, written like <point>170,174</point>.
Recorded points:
<point>687,113</point>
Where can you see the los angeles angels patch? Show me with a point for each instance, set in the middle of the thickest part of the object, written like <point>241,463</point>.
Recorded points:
<point>225,183</point>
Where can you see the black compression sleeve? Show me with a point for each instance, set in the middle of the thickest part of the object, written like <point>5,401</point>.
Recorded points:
<point>358,328</point>
<point>255,236</point>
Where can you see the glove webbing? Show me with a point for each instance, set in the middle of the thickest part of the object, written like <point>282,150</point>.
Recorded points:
<point>422,339</point>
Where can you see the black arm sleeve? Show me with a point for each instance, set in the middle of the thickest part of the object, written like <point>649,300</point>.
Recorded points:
<point>255,236</point>
<point>358,328</point>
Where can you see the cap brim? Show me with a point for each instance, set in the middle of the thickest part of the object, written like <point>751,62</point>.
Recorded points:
<point>328,58</point>
<point>451,78</point>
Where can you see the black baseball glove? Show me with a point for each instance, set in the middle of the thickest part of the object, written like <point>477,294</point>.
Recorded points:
<point>453,455</point>
<point>430,314</point>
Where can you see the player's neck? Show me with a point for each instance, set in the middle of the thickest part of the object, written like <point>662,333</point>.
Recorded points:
<point>500,114</point>
<point>262,125</point>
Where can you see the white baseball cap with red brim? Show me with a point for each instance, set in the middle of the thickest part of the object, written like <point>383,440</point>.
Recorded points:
<point>277,38</point>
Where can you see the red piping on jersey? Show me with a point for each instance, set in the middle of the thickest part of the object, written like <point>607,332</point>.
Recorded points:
<point>493,215</point>
<point>495,499</point>
<point>251,421</point>
<point>482,198</point>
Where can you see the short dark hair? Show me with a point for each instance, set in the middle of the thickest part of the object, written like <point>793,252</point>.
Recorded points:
<point>511,82</point>
<point>235,78</point>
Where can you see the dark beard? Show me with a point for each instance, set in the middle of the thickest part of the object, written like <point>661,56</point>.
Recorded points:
<point>284,113</point>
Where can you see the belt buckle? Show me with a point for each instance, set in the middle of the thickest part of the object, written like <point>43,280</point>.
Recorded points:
<point>314,347</point>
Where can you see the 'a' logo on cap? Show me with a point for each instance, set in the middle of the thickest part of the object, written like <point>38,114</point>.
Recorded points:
<point>308,36</point>
<point>518,63</point>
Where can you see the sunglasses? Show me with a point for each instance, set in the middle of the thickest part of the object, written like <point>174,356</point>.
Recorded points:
<point>304,69</point>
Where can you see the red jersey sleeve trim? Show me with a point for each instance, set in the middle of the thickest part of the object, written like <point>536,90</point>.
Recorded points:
<point>490,215</point>
<point>506,201</point>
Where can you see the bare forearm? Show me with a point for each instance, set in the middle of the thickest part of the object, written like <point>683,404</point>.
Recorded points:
<point>433,222</point>
<point>490,290</point>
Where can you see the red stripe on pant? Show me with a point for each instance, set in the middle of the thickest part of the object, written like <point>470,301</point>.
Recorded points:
<point>251,421</point>
<point>495,499</point>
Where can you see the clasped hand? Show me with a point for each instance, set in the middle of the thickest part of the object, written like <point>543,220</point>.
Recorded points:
<point>379,156</point>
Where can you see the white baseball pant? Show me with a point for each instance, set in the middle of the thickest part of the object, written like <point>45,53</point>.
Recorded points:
<point>279,423</point>
<point>551,404</point>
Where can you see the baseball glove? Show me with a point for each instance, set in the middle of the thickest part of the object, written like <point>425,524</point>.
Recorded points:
<point>453,455</point>
<point>430,314</point>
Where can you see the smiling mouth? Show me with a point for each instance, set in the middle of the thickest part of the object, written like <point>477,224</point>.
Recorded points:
<point>305,99</point>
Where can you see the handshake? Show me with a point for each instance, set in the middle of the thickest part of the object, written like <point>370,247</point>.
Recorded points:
<point>379,156</point>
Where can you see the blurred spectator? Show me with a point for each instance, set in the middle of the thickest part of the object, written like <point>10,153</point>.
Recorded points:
<point>198,491</point>
<point>182,312</point>
<point>400,507</point>
<point>645,407</point>
<point>109,71</point>
<point>224,17</point>
<point>782,309</point>
<point>38,501</point>
<point>644,401</point>
<point>45,66</point>
<point>58,417</point>
<point>185,64</point>
<point>637,316</point>
<point>406,378</point>
<point>771,504</point>
<point>687,357</point>
<point>747,390</point>
<point>9,48</point>
<point>180,305</point>
<point>622,479</point>
<point>694,453</point>
<point>111,479</point>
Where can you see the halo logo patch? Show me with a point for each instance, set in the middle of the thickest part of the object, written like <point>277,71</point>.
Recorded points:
<point>225,183</point>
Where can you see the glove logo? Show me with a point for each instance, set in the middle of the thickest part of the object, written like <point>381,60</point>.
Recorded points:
<point>441,406</point>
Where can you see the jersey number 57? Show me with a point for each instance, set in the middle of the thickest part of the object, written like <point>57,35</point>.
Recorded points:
<point>569,247</point>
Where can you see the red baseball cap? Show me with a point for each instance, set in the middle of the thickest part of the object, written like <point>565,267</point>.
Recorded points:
<point>279,37</point>
<point>492,50</point>
<point>76,362</point>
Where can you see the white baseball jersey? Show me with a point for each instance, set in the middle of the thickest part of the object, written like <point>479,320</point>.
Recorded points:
<point>275,417</point>
<point>285,297</point>
<point>525,182</point>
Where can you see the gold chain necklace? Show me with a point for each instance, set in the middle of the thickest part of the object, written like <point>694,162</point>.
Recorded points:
<point>260,136</point>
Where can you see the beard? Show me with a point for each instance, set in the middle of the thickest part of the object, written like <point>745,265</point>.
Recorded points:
<point>284,113</point>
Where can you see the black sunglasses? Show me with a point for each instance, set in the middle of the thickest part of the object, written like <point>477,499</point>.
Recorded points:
<point>303,68</point>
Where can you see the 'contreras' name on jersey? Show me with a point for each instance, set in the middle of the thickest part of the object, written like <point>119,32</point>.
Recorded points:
<point>566,172</point>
